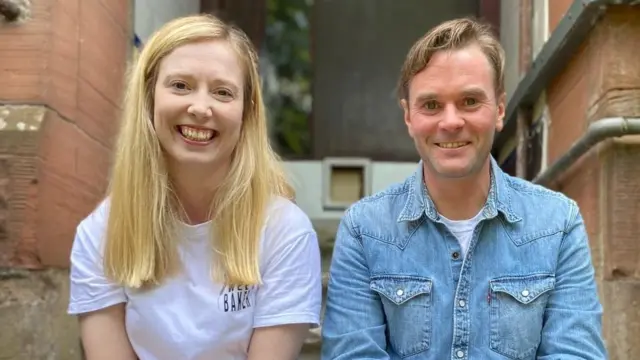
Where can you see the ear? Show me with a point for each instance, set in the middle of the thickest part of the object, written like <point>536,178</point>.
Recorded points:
<point>501,111</point>
<point>407,119</point>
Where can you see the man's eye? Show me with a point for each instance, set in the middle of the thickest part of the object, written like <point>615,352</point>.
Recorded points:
<point>431,105</point>
<point>470,101</point>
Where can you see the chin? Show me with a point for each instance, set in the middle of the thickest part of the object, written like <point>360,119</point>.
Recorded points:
<point>455,174</point>
<point>188,157</point>
<point>451,170</point>
<point>198,159</point>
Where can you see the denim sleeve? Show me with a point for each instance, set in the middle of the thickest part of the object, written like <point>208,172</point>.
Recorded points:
<point>573,318</point>
<point>354,324</point>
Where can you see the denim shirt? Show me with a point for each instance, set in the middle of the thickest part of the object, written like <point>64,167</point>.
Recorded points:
<point>524,290</point>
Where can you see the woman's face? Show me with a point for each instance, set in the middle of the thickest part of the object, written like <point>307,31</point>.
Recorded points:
<point>198,104</point>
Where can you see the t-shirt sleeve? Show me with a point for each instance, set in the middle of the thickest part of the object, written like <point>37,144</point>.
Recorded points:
<point>90,290</point>
<point>291,290</point>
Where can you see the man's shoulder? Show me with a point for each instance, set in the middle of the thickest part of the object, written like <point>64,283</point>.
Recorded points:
<point>539,205</point>
<point>383,205</point>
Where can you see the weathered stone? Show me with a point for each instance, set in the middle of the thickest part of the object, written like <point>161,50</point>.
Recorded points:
<point>14,11</point>
<point>34,323</point>
<point>622,312</point>
<point>602,80</point>
<point>19,138</point>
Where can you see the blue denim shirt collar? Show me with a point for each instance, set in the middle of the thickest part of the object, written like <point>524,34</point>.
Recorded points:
<point>499,200</point>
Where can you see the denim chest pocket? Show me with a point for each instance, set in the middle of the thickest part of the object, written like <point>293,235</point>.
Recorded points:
<point>407,307</point>
<point>517,313</point>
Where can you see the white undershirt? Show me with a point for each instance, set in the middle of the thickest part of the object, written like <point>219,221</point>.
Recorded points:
<point>462,230</point>
<point>190,317</point>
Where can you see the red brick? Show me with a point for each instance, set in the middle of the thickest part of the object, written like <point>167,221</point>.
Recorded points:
<point>27,44</point>
<point>70,57</point>
<point>525,44</point>
<point>93,108</point>
<point>119,11</point>
<point>567,101</point>
<point>603,80</point>
<point>103,50</point>
<point>63,58</point>
<point>622,212</point>
<point>72,177</point>
<point>557,10</point>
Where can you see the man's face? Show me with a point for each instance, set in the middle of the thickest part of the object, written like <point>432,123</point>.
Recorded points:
<point>453,112</point>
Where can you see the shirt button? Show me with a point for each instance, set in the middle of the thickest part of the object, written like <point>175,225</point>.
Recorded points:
<point>460,354</point>
<point>455,255</point>
<point>525,293</point>
<point>462,303</point>
<point>399,292</point>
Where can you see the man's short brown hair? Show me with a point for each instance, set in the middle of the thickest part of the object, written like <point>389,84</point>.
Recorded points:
<point>453,35</point>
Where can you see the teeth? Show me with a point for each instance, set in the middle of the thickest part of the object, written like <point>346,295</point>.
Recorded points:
<point>196,134</point>
<point>452,145</point>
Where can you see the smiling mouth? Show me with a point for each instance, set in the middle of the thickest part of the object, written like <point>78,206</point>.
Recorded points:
<point>198,135</point>
<point>452,145</point>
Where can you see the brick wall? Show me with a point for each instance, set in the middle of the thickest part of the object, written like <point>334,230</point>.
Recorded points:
<point>603,80</point>
<point>557,10</point>
<point>62,73</point>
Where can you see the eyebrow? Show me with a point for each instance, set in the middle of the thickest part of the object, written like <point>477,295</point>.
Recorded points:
<point>469,92</point>
<point>189,76</point>
<point>474,92</point>
<point>178,74</point>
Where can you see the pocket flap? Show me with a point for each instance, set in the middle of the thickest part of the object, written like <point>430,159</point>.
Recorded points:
<point>399,289</point>
<point>524,289</point>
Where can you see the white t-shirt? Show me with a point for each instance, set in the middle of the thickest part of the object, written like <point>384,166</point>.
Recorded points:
<point>190,317</point>
<point>462,230</point>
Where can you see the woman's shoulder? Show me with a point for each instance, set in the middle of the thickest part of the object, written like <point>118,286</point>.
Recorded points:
<point>289,242</point>
<point>92,228</point>
<point>284,215</point>
<point>97,218</point>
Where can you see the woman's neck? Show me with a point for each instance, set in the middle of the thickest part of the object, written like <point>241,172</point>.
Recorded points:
<point>195,187</point>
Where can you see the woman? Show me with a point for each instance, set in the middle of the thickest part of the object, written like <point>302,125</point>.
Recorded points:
<point>197,252</point>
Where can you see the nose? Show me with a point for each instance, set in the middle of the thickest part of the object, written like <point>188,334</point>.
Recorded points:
<point>201,106</point>
<point>451,120</point>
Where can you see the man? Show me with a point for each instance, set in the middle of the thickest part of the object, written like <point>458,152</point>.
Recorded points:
<point>461,261</point>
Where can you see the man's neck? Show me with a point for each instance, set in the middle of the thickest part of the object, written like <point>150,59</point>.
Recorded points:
<point>195,188</point>
<point>459,199</point>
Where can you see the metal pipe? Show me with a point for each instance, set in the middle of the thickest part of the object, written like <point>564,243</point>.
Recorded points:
<point>564,42</point>
<point>598,131</point>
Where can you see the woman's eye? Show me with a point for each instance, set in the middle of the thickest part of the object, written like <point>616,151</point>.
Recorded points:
<point>180,85</point>
<point>223,92</point>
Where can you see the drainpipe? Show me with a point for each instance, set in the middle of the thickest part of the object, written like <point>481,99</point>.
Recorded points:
<point>563,43</point>
<point>597,132</point>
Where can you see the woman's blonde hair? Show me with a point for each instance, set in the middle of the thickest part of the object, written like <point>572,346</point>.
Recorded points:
<point>141,236</point>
